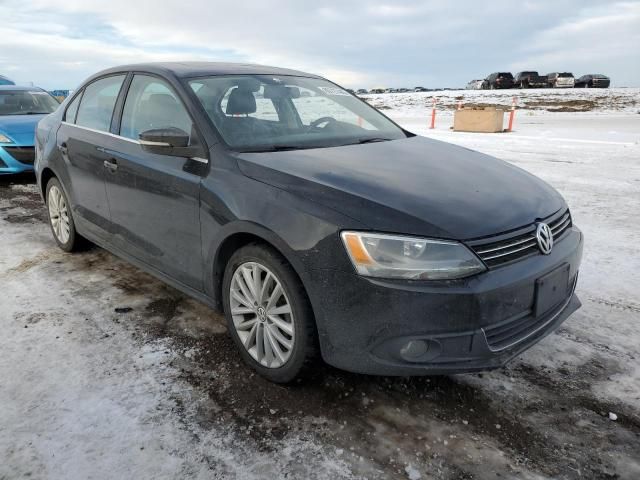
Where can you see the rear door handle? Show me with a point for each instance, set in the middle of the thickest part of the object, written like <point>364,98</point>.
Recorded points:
<point>111,164</point>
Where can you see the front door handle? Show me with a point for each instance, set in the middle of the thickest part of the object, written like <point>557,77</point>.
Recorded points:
<point>111,164</point>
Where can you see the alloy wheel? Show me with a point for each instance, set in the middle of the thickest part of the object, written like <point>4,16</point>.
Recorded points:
<point>262,314</point>
<point>59,214</point>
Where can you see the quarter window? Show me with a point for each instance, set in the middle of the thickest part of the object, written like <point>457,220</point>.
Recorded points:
<point>98,101</point>
<point>152,104</point>
<point>72,110</point>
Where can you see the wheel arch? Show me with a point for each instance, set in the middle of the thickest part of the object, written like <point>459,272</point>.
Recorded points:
<point>46,175</point>
<point>239,237</point>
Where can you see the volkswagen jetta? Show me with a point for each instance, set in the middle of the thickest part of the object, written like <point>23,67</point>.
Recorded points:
<point>318,225</point>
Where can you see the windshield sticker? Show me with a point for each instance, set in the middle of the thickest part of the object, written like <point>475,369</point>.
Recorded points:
<point>334,91</point>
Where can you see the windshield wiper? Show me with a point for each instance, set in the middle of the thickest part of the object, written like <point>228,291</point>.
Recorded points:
<point>281,148</point>
<point>32,113</point>
<point>373,140</point>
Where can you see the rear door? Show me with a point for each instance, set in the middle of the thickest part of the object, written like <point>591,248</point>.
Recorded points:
<point>82,138</point>
<point>154,198</point>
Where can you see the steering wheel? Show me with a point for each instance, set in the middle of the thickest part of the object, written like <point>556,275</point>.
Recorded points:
<point>321,120</point>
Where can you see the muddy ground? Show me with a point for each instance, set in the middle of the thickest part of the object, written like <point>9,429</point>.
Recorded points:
<point>188,405</point>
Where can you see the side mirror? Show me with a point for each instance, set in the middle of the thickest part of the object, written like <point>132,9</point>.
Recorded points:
<point>173,142</point>
<point>159,138</point>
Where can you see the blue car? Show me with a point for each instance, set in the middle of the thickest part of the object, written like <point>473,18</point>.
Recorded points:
<point>6,81</point>
<point>21,108</point>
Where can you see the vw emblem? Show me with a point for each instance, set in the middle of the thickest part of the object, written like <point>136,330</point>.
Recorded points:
<point>544,235</point>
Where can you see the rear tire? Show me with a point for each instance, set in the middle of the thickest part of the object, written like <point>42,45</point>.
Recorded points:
<point>61,218</point>
<point>275,332</point>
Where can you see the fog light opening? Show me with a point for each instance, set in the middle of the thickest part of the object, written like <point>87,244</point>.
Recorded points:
<point>414,350</point>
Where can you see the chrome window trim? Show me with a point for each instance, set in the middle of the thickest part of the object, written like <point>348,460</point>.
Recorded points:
<point>109,134</point>
<point>100,131</point>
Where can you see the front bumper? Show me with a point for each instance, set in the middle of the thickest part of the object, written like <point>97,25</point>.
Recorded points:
<point>16,158</point>
<point>418,328</point>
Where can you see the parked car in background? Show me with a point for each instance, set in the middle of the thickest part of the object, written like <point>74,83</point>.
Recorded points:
<point>21,108</point>
<point>530,79</point>
<point>420,89</point>
<point>362,91</point>
<point>6,81</point>
<point>285,212</point>
<point>378,90</point>
<point>560,80</point>
<point>498,80</point>
<point>475,85</point>
<point>593,80</point>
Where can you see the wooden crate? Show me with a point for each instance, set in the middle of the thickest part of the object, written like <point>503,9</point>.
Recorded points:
<point>487,120</point>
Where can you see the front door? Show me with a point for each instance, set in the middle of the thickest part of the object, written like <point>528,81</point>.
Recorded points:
<point>154,199</point>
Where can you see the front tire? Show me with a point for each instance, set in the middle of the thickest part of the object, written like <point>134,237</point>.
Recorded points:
<point>61,219</point>
<point>268,314</point>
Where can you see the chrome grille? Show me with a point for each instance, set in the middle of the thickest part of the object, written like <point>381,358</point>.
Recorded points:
<point>505,248</point>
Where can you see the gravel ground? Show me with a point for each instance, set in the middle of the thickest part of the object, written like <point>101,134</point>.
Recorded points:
<point>106,372</point>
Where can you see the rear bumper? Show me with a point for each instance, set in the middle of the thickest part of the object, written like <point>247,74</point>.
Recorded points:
<point>9,164</point>
<point>420,328</point>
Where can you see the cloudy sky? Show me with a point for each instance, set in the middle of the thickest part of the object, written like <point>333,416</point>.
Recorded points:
<point>359,43</point>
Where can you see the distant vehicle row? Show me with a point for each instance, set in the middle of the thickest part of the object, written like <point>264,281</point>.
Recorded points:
<point>531,79</point>
<point>364,91</point>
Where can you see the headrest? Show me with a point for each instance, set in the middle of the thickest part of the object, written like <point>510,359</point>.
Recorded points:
<point>241,102</point>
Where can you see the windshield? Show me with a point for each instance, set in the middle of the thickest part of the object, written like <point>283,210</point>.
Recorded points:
<point>272,112</point>
<point>26,102</point>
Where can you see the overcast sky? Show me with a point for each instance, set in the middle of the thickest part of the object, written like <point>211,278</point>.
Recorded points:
<point>56,44</point>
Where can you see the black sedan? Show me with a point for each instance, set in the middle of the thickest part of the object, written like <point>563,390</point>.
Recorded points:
<point>593,80</point>
<point>318,225</point>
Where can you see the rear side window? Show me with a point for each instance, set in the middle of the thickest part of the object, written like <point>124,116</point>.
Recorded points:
<point>98,101</point>
<point>72,110</point>
<point>152,104</point>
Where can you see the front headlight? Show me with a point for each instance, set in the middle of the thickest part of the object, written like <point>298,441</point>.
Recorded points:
<point>395,256</point>
<point>5,139</point>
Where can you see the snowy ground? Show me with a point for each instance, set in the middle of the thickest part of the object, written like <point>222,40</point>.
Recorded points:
<point>578,100</point>
<point>158,392</point>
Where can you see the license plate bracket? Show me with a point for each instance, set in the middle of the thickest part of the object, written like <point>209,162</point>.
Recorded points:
<point>551,290</point>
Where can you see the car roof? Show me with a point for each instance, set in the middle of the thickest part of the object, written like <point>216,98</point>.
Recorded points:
<point>201,69</point>
<point>22,88</point>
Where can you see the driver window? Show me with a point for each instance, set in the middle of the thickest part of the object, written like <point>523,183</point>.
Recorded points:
<point>151,104</point>
<point>311,106</point>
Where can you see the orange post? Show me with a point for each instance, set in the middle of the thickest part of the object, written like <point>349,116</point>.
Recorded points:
<point>433,113</point>
<point>512,114</point>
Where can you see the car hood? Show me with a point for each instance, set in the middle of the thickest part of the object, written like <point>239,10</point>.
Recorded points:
<point>21,128</point>
<point>416,186</point>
